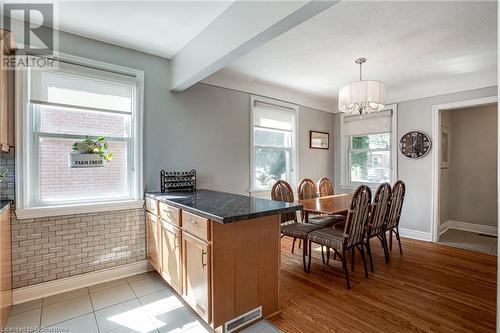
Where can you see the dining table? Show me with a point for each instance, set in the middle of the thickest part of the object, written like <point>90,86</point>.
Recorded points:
<point>331,204</point>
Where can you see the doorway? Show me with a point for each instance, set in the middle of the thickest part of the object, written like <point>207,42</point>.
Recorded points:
<point>465,169</point>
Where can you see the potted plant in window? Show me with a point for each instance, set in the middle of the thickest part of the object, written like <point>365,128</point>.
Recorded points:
<point>90,153</point>
<point>3,174</point>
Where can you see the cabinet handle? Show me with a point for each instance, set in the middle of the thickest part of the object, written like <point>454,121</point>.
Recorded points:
<point>192,221</point>
<point>176,241</point>
<point>203,253</point>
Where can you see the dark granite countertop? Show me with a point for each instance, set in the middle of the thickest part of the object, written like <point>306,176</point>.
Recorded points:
<point>4,203</point>
<point>223,207</point>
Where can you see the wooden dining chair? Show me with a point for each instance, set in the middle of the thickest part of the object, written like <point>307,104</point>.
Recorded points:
<point>395,207</point>
<point>325,187</point>
<point>353,235</point>
<point>307,190</point>
<point>376,227</point>
<point>282,191</point>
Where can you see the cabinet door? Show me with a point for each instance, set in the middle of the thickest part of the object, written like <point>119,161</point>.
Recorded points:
<point>4,104</point>
<point>5,266</point>
<point>196,254</point>
<point>152,246</point>
<point>170,261</point>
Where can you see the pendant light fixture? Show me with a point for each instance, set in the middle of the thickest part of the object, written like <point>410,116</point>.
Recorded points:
<point>363,96</point>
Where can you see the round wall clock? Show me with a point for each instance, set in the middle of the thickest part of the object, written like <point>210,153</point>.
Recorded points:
<point>415,144</point>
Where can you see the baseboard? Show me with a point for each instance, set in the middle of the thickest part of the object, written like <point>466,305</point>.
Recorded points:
<point>36,291</point>
<point>444,227</point>
<point>466,226</point>
<point>415,234</point>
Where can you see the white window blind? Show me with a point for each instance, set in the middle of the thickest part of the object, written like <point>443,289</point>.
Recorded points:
<point>374,123</point>
<point>273,117</point>
<point>79,86</point>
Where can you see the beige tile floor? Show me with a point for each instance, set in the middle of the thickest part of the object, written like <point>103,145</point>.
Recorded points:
<point>138,304</point>
<point>469,240</point>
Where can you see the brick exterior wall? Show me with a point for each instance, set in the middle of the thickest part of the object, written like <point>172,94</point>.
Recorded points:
<point>60,182</point>
<point>7,187</point>
<point>50,248</point>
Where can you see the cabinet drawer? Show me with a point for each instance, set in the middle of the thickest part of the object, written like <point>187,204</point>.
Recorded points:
<point>152,206</point>
<point>196,225</point>
<point>170,214</point>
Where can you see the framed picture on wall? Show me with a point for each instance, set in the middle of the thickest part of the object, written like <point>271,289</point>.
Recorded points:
<point>319,140</point>
<point>445,147</point>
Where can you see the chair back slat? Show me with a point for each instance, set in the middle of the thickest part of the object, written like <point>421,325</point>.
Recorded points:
<point>282,191</point>
<point>357,216</point>
<point>325,187</point>
<point>307,189</point>
<point>396,204</point>
<point>379,210</point>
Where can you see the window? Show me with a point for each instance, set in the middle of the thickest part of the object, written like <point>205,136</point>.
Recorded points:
<point>368,148</point>
<point>273,140</point>
<point>68,104</point>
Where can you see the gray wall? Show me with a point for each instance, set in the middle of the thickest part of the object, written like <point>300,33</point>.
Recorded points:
<point>314,163</point>
<point>417,174</point>
<point>206,128</point>
<point>473,166</point>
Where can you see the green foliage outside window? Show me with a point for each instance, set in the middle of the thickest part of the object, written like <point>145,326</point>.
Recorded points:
<point>360,153</point>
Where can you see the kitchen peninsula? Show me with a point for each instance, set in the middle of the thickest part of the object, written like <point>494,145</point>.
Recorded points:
<point>219,251</point>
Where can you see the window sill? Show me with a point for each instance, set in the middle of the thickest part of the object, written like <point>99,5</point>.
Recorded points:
<point>31,213</point>
<point>259,190</point>
<point>352,187</point>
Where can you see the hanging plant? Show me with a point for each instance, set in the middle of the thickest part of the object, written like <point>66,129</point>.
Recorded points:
<point>90,153</point>
<point>3,174</point>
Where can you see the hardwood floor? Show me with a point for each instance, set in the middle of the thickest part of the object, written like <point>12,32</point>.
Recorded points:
<point>430,288</point>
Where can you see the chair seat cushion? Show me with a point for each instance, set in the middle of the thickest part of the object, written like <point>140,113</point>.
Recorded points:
<point>328,236</point>
<point>298,230</point>
<point>327,220</point>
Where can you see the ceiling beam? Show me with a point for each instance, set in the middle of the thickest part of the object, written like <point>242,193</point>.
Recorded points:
<point>241,28</point>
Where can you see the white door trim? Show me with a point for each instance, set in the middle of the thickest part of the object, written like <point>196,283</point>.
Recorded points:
<point>436,126</point>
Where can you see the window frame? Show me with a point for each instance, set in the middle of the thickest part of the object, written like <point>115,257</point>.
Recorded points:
<point>27,180</point>
<point>294,110</point>
<point>345,158</point>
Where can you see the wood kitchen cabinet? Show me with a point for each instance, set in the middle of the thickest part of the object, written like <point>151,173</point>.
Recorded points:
<point>170,258</point>
<point>5,265</point>
<point>6,89</point>
<point>152,240</point>
<point>196,262</point>
<point>228,272</point>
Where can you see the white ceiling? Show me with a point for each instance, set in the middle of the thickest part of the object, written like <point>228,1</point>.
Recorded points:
<point>157,27</point>
<point>417,48</point>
